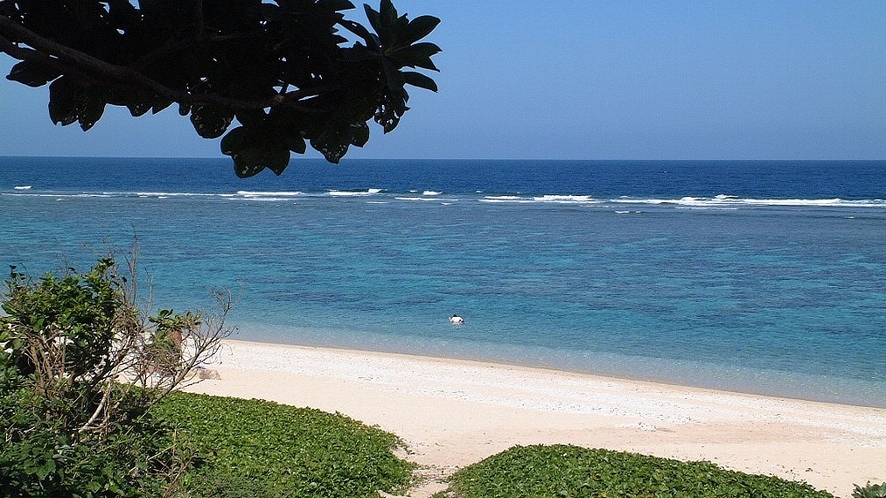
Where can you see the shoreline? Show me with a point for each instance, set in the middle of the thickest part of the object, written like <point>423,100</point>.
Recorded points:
<point>451,412</point>
<point>801,384</point>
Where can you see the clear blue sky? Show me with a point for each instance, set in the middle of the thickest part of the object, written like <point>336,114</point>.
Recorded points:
<point>587,79</point>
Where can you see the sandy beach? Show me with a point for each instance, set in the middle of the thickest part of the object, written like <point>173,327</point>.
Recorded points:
<point>452,413</point>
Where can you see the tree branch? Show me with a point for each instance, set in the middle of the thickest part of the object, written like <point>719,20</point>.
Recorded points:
<point>198,13</point>
<point>106,393</point>
<point>62,57</point>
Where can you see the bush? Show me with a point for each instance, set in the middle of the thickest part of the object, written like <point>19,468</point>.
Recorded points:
<point>44,458</point>
<point>70,427</point>
<point>570,471</point>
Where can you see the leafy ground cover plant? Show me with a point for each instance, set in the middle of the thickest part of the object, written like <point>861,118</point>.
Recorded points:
<point>870,491</point>
<point>251,448</point>
<point>571,471</point>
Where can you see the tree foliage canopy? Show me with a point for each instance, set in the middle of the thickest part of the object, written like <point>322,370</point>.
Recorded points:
<point>281,68</point>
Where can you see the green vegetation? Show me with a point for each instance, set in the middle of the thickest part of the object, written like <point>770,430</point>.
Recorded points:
<point>870,491</point>
<point>280,68</point>
<point>570,471</point>
<point>252,448</point>
<point>70,428</point>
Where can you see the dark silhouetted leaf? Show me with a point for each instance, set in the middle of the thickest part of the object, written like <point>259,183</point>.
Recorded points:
<point>31,74</point>
<point>387,13</point>
<point>388,114</point>
<point>358,29</point>
<point>62,102</point>
<point>296,143</point>
<point>335,5</point>
<point>358,54</point>
<point>271,12</point>
<point>90,107</point>
<point>254,117</point>
<point>392,76</point>
<point>159,104</point>
<point>359,134</point>
<point>333,143</point>
<point>233,141</point>
<point>419,28</point>
<point>276,159</point>
<point>418,55</point>
<point>139,108</point>
<point>373,18</point>
<point>254,149</point>
<point>211,121</point>
<point>244,169</point>
<point>419,80</point>
<point>251,161</point>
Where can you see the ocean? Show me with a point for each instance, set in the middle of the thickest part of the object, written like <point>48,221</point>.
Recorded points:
<point>750,276</point>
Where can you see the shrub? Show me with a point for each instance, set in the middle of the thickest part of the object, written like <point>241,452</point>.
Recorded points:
<point>70,427</point>
<point>44,458</point>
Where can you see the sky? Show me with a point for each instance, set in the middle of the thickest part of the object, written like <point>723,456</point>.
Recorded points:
<point>585,79</point>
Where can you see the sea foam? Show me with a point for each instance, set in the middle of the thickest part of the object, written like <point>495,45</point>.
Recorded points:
<point>353,193</point>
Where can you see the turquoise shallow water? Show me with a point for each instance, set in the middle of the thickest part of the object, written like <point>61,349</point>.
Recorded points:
<point>756,277</point>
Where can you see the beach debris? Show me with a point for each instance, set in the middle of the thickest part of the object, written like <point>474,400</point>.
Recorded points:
<point>642,426</point>
<point>207,374</point>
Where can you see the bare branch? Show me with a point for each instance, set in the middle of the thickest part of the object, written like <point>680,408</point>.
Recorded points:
<point>106,393</point>
<point>199,346</point>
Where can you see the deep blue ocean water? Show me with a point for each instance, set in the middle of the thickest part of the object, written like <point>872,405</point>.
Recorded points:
<point>763,277</point>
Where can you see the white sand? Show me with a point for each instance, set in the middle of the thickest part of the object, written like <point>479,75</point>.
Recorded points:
<point>453,413</point>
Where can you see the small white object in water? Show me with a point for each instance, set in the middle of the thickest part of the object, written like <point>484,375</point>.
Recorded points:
<point>456,320</point>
